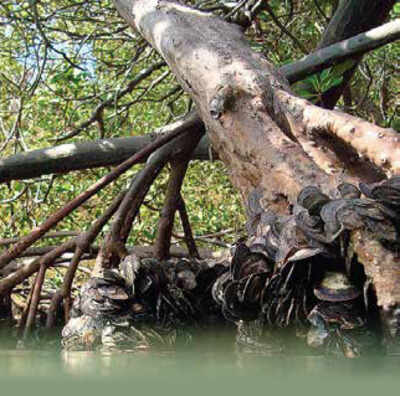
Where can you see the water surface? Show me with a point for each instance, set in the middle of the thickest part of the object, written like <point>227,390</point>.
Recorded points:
<point>210,365</point>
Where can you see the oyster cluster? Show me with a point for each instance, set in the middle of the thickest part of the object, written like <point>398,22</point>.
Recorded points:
<point>305,272</point>
<point>145,303</point>
<point>298,272</point>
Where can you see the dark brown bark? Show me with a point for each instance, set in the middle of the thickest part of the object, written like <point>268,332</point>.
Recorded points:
<point>10,281</point>
<point>83,243</point>
<point>34,302</point>
<point>187,229</point>
<point>167,216</point>
<point>173,199</point>
<point>114,247</point>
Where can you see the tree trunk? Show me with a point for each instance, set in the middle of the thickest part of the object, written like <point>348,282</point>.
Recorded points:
<point>267,137</point>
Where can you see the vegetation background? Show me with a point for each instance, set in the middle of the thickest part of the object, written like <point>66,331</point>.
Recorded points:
<point>62,59</point>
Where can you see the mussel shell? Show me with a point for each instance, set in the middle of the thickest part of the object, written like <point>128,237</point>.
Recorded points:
<point>386,192</point>
<point>129,269</point>
<point>235,307</point>
<point>312,199</point>
<point>329,214</point>
<point>348,191</point>
<point>336,287</point>
<point>218,288</point>
<point>186,280</point>
<point>261,249</point>
<point>241,254</point>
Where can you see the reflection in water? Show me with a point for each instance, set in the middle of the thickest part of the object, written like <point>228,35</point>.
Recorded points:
<point>210,359</point>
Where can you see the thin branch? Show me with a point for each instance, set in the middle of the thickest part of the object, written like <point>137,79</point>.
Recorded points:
<point>59,234</point>
<point>97,113</point>
<point>278,23</point>
<point>38,232</point>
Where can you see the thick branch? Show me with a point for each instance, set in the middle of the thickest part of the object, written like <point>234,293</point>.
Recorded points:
<point>77,156</point>
<point>339,52</point>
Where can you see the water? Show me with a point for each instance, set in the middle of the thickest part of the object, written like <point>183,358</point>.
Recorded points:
<point>210,365</point>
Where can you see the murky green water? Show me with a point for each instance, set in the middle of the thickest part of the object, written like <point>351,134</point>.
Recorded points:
<point>210,365</point>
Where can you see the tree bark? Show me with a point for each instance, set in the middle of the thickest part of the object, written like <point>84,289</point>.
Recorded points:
<point>265,135</point>
<point>78,156</point>
<point>107,152</point>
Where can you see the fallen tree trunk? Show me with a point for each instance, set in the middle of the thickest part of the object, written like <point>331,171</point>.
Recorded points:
<point>265,135</point>
<point>107,152</point>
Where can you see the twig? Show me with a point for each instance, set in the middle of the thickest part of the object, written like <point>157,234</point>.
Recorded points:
<point>283,28</point>
<point>59,234</point>
<point>97,114</point>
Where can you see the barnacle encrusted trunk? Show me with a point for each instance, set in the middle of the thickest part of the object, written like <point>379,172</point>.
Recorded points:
<point>269,139</point>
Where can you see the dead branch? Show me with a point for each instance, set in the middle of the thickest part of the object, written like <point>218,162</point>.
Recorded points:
<point>78,156</point>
